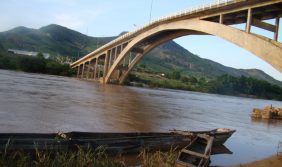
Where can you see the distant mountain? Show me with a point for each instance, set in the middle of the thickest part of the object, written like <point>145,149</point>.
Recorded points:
<point>54,39</point>
<point>58,40</point>
<point>173,56</point>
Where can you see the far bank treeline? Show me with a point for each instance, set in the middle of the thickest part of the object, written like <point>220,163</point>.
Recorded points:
<point>34,64</point>
<point>224,84</point>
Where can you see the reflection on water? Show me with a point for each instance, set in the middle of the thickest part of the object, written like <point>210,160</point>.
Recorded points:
<point>267,122</point>
<point>43,103</point>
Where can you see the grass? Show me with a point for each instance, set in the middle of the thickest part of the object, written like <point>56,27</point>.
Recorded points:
<point>77,158</point>
<point>81,158</point>
<point>158,158</point>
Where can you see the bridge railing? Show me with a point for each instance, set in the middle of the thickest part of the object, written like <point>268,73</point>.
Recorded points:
<point>192,10</point>
<point>213,4</point>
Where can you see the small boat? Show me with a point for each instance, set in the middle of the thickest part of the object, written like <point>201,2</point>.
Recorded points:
<point>197,153</point>
<point>220,134</point>
<point>113,143</point>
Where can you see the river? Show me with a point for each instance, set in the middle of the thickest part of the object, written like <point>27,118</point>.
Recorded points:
<point>45,103</point>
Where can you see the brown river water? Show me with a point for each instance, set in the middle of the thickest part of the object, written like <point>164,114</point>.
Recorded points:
<point>44,103</point>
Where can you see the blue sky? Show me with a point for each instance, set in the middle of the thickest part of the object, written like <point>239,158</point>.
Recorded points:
<point>110,17</point>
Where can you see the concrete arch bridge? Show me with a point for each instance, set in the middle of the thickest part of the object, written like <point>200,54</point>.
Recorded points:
<point>112,62</point>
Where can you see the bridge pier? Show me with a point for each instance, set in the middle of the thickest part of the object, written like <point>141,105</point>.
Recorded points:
<point>116,50</point>
<point>92,63</point>
<point>277,19</point>
<point>88,70</point>
<point>106,65</point>
<point>96,68</point>
<point>110,58</point>
<point>77,71</point>
<point>221,19</point>
<point>82,71</point>
<point>249,21</point>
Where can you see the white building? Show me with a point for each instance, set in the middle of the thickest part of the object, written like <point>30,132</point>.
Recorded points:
<point>27,53</point>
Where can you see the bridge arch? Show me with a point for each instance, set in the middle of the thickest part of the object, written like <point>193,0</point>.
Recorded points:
<point>264,48</point>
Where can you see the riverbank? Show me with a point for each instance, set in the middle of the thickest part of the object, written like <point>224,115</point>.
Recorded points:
<point>273,161</point>
<point>35,64</point>
<point>225,85</point>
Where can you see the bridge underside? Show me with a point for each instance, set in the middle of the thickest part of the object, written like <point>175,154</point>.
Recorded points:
<point>114,64</point>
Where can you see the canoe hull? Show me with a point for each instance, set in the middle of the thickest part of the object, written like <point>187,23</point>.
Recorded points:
<point>113,143</point>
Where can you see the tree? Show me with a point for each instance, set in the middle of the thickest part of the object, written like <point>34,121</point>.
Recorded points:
<point>190,79</point>
<point>176,75</point>
<point>227,84</point>
<point>40,55</point>
<point>32,64</point>
<point>193,79</point>
<point>143,65</point>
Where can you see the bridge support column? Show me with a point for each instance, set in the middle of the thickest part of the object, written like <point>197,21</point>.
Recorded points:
<point>99,72</point>
<point>88,70</point>
<point>106,64</point>
<point>123,63</point>
<point>96,68</point>
<point>276,28</point>
<point>115,53</point>
<point>221,18</point>
<point>82,71</point>
<point>130,58</point>
<point>249,21</point>
<point>91,65</point>
<point>110,59</point>
<point>78,71</point>
<point>121,48</point>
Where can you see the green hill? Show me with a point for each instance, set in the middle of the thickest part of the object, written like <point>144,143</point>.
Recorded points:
<point>61,41</point>
<point>54,39</point>
<point>173,56</point>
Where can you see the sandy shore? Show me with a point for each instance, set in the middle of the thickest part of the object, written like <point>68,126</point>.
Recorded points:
<point>273,161</point>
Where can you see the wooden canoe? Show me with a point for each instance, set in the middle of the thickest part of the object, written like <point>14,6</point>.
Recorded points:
<point>113,143</point>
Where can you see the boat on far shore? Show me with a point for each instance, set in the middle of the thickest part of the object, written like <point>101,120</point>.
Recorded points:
<point>267,113</point>
<point>113,143</point>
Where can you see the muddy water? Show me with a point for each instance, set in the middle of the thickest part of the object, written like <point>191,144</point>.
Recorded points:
<point>43,103</point>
